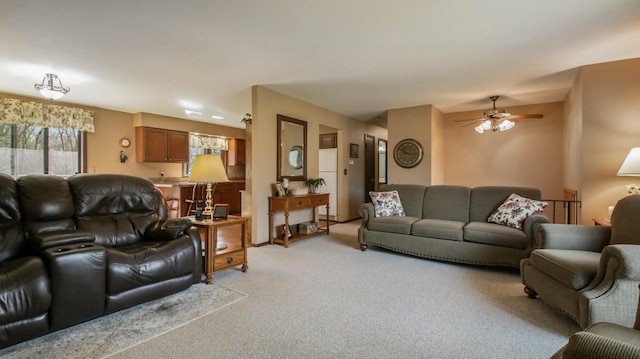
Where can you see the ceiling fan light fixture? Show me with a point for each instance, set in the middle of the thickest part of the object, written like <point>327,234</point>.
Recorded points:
<point>51,87</point>
<point>479,129</point>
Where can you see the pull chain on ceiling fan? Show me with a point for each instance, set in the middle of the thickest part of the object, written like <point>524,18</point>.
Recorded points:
<point>497,119</point>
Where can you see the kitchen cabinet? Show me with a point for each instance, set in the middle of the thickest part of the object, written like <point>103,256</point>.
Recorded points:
<point>161,145</point>
<point>236,153</point>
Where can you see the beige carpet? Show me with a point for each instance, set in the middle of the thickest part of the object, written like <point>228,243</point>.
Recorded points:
<point>110,334</point>
<point>324,298</point>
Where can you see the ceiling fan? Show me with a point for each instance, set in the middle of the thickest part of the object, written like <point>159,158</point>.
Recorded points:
<point>495,119</point>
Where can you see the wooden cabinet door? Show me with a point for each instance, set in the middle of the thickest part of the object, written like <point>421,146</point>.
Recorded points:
<point>328,140</point>
<point>177,146</point>
<point>151,144</point>
<point>236,153</point>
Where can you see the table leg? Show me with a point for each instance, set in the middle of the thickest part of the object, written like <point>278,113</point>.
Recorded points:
<point>327,218</point>
<point>210,251</point>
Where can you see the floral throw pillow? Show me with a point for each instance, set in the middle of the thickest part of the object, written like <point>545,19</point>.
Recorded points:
<point>515,209</point>
<point>387,204</point>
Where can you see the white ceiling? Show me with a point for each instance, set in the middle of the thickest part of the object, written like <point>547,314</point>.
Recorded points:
<point>356,57</point>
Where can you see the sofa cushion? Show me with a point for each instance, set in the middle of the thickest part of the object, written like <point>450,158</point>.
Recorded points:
<point>575,269</point>
<point>447,202</point>
<point>411,196</point>
<point>438,228</point>
<point>495,234</point>
<point>24,290</point>
<point>146,263</point>
<point>387,204</point>
<point>515,209</point>
<point>394,224</point>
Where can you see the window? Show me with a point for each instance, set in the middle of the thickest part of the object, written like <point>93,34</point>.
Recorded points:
<point>35,149</point>
<point>200,144</point>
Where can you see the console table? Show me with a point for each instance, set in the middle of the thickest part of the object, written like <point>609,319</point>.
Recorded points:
<point>231,254</point>
<point>292,203</point>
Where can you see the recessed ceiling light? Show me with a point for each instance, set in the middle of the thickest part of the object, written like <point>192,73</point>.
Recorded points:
<point>217,117</point>
<point>190,112</point>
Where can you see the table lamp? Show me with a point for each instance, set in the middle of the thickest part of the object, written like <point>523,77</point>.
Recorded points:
<point>208,169</point>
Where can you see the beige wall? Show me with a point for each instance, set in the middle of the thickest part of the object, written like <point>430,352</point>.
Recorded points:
<point>416,123</point>
<point>266,105</point>
<point>530,154</point>
<point>610,128</point>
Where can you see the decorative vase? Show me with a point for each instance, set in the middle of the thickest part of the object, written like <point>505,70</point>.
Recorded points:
<point>312,189</point>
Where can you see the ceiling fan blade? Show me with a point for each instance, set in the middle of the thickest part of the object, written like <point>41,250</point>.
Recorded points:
<point>469,124</point>
<point>517,117</point>
<point>470,119</point>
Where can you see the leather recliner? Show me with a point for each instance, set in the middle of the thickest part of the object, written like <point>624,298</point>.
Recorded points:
<point>24,284</point>
<point>106,245</point>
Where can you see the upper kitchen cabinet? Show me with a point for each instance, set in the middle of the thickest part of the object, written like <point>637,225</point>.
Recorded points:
<point>160,145</point>
<point>236,153</point>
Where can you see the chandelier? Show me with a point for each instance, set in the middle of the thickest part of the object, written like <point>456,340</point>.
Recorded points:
<point>51,87</point>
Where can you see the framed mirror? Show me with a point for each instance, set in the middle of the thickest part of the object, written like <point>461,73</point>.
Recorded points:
<point>292,149</point>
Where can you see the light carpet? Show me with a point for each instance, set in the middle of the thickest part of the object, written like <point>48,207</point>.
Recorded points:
<point>110,334</point>
<point>324,298</point>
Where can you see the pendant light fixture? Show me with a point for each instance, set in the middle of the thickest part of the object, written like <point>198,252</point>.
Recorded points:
<point>51,87</point>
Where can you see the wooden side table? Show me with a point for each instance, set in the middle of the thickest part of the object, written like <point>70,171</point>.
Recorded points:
<point>291,203</point>
<point>235,252</point>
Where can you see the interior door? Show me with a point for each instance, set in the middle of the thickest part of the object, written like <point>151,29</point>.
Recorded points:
<point>369,166</point>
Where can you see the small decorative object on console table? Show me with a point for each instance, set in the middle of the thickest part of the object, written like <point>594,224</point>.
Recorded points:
<point>314,183</point>
<point>293,203</point>
<point>234,252</point>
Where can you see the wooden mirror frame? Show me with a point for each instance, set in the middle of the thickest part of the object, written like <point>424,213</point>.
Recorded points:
<point>282,161</point>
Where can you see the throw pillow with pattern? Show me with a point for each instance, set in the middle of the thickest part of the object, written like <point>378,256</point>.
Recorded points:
<point>387,204</point>
<point>515,210</point>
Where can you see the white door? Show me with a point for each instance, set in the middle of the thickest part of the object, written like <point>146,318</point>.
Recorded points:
<point>328,169</point>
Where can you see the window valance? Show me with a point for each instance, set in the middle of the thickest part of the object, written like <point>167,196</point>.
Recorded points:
<point>208,142</point>
<point>17,112</point>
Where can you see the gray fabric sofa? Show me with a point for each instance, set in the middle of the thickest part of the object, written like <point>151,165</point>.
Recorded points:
<point>449,223</point>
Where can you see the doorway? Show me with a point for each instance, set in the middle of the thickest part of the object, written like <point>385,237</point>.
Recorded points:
<point>370,177</point>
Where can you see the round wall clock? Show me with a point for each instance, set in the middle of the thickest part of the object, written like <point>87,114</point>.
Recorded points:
<point>124,142</point>
<point>408,153</point>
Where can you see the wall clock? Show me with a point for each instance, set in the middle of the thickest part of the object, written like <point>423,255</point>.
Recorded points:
<point>124,142</point>
<point>408,153</point>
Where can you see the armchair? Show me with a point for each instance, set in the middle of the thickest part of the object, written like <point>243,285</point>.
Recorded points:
<point>590,273</point>
<point>603,341</point>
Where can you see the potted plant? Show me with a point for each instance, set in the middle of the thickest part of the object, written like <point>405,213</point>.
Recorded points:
<point>314,183</point>
<point>247,118</point>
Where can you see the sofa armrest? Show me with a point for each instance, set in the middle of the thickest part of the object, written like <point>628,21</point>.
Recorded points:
<point>166,230</point>
<point>587,345</point>
<point>367,212</point>
<point>571,236</point>
<point>60,238</point>
<point>612,296</point>
<point>530,225</point>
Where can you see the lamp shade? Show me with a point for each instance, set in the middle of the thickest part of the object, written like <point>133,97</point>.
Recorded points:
<point>208,169</point>
<point>631,164</point>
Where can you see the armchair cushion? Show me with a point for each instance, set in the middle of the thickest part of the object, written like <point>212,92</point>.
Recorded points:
<point>146,263</point>
<point>624,221</point>
<point>574,269</point>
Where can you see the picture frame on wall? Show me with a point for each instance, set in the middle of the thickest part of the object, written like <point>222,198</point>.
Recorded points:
<point>353,150</point>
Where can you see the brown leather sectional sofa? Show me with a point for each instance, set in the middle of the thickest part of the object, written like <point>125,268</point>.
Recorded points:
<point>75,249</point>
